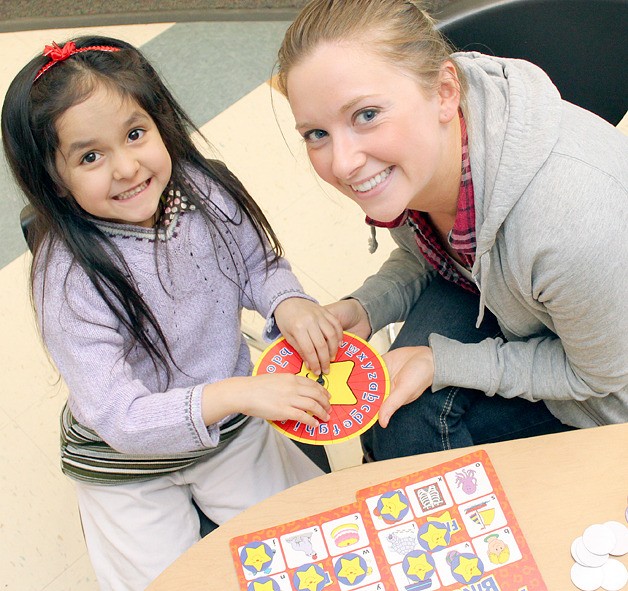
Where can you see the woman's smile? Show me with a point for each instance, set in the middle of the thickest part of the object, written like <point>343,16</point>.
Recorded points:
<point>375,181</point>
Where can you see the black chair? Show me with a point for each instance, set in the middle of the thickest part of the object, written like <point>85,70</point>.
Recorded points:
<point>27,219</point>
<point>581,44</point>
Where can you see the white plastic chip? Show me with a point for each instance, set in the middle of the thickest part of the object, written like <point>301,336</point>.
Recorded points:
<point>621,538</point>
<point>599,539</point>
<point>615,575</point>
<point>586,578</point>
<point>582,556</point>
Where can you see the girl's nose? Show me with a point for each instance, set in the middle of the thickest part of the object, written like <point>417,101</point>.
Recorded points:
<point>347,159</point>
<point>125,166</point>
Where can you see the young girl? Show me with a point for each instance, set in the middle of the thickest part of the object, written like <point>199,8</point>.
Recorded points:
<point>509,207</point>
<point>144,255</point>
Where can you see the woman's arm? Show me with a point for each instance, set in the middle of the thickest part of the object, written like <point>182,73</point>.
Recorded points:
<point>389,295</point>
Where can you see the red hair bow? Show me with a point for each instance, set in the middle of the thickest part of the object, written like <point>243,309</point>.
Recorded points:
<point>58,54</point>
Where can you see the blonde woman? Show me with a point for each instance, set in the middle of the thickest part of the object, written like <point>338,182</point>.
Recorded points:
<point>509,207</point>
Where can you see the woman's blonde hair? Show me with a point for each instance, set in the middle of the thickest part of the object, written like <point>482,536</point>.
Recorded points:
<point>397,30</point>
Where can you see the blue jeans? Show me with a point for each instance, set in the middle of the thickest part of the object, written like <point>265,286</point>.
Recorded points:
<point>453,417</point>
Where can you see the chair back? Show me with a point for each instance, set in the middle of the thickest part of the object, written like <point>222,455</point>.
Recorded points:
<point>27,218</point>
<point>581,44</point>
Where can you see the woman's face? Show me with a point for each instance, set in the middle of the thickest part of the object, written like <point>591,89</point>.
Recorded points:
<point>373,133</point>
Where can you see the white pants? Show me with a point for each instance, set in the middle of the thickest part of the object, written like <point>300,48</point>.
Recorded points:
<point>134,531</point>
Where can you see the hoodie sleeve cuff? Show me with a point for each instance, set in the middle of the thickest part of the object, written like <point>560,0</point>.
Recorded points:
<point>462,365</point>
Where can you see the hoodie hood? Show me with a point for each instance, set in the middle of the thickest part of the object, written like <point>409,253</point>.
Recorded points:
<point>513,115</point>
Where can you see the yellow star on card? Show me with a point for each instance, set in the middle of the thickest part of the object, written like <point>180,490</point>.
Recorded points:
<point>309,579</point>
<point>468,568</point>
<point>419,566</point>
<point>393,506</point>
<point>445,519</point>
<point>267,586</point>
<point>351,569</point>
<point>435,536</point>
<point>256,557</point>
<point>335,382</point>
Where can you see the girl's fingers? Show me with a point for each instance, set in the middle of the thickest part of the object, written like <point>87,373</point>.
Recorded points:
<point>324,346</point>
<point>314,399</point>
<point>333,336</point>
<point>307,419</point>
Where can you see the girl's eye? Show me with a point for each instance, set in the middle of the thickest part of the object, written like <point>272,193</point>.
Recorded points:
<point>90,158</point>
<point>314,135</point>
<point>136,134</point>
<point>366,116</point>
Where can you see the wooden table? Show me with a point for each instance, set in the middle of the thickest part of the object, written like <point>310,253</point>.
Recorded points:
<point>557,485</point>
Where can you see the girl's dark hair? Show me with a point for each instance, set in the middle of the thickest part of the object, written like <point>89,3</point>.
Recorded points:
<point>29,115</point>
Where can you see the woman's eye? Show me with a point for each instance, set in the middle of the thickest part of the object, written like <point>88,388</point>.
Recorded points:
<point>366,116</point>
<point>314,135</point>
<point>90,158</point>
<point>136,134</point>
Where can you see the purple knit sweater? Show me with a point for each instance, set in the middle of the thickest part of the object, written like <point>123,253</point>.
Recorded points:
<point>198,309</point>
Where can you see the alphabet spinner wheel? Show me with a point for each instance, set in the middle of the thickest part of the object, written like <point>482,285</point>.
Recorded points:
<point>358,383</point>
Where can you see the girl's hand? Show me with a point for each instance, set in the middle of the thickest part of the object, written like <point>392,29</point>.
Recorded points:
<point>411,371</point>
<point>277,397</point>
<point>352,316</point>
<point>311,330</point>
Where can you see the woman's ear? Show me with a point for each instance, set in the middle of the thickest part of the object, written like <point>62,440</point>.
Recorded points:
<point>448,92</point>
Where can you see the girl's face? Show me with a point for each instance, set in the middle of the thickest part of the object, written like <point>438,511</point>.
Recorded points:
<point>373,133</point>
<point>112,159</point>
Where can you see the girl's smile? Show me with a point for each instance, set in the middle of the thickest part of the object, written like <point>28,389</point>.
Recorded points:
<point>374,134</point>
<point>133,192</point>
<point>112,159</point>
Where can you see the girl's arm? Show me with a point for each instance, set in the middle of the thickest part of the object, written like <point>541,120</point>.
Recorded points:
<point>275,292</point>
<point>125,399</point>
<point>274,397</point>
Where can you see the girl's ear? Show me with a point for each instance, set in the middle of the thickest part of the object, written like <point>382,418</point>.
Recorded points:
<point>62,191</point>
<point>448,92</point>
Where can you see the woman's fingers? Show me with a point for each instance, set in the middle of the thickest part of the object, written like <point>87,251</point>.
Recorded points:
<point>411,371</point>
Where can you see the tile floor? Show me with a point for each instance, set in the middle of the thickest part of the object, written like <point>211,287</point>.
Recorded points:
<point>41,544</point>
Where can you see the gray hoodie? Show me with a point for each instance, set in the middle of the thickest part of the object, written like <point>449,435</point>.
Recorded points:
<point>551,202</point>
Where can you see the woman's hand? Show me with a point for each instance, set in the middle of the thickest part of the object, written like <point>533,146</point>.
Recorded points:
<point>314,332</point>
<point>278,397</point>
<point>352,316</point>
<point>411,371</point>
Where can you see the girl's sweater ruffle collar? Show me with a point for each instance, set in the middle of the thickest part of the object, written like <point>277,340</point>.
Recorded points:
<point>173,204</point>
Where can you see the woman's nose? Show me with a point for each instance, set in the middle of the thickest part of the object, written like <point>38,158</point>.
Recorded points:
<point>125,166</point>
<point>347,158</point>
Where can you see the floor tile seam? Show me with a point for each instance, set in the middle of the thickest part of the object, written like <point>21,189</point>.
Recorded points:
<point>65,570</point>
<point>55,465</point>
